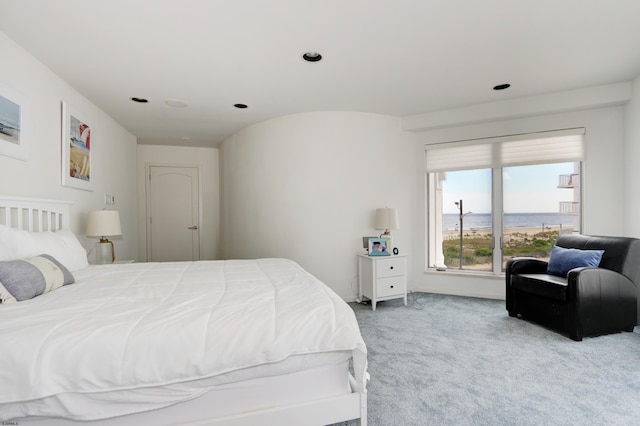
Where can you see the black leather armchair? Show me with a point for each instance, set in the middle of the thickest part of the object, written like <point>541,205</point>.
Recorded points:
<point>590,301</point>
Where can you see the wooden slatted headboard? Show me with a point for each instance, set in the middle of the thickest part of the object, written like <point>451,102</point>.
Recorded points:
<point>33,214</point>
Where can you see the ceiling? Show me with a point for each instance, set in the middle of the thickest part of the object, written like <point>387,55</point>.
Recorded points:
<point>395,57</point>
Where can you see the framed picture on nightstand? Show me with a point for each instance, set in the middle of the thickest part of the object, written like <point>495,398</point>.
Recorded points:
<point>378,247</point>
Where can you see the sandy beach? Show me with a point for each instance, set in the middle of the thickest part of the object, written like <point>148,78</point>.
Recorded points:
<point>530,231</point>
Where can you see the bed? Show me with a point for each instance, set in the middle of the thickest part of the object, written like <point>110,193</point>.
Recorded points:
<point>235,342</point>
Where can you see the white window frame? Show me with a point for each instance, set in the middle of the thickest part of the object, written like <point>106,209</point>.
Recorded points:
<point>495,153</point>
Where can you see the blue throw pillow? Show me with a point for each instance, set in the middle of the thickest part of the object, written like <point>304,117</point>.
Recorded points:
<point>562,260</point>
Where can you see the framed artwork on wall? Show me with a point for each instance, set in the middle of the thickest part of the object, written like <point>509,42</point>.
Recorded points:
<point>13,142</point>
<point>76,150</point>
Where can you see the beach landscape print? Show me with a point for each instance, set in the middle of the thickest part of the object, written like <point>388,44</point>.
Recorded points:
<point>9,121</point>
<point>12,141</point>
<point>76,145</point>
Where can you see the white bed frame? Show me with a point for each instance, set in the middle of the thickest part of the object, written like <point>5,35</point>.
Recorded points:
<point>37,215</point>
<point>34,215</point>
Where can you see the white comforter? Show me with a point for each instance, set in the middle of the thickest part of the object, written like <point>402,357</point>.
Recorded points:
<point>130,328</point>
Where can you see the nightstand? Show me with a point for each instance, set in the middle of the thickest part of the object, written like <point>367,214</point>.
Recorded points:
<point>382,278</point>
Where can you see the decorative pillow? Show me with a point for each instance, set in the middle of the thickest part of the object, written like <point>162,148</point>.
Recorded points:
<point>62,245</point>
<point>27,278</point>
<point>562,260</point>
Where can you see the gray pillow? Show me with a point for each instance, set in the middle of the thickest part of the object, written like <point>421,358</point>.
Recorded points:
<point>31,277</point>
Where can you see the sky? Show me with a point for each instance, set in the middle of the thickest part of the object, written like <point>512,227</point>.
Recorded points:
<point>9,111</point>
<point>527,189</point>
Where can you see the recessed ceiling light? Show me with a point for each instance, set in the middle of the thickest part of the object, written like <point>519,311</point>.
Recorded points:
<point>311,56</point>
<point>501,86</point>
<point>175,103</point>
<point>240,106</point>
<point>139,100</point>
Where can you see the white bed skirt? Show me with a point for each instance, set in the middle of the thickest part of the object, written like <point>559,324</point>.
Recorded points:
<point>234,399</point>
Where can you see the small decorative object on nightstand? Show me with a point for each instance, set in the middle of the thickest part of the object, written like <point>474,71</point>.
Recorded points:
<point>382,278</point>
<point>386,219</point>
<point>378,247</point>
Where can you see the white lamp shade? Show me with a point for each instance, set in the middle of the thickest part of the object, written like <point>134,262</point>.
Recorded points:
<point>387,218</point>
<point>103,223</point>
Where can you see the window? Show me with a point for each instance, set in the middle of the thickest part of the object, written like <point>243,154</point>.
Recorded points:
<point>493,199</point>
<point>466,233</point>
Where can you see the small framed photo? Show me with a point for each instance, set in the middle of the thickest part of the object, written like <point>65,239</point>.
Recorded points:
<point>76,150</point>
<point>378,247</point>
<point>13,142</point>
<point>365,242</point>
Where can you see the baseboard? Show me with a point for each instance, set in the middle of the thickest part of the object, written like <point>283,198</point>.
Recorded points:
<point>466,293</point>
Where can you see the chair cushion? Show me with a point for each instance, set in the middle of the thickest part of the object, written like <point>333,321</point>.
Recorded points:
<point>562,260</point>
<point>549,286</point>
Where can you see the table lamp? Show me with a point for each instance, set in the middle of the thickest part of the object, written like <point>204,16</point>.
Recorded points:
<point>103,224</point>
<point>386,219</point>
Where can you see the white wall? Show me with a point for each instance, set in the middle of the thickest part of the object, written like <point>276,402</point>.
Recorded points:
<point>604,177</point>
<point>112,150</point>
<point>306,186</point>
<point>303,186</point>
<point>207,161</point>
<point>632,162</point>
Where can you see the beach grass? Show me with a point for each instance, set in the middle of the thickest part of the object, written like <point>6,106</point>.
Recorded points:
<point>477,246</point>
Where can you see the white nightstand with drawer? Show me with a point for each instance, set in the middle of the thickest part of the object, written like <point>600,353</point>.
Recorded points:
<point>382,278</point>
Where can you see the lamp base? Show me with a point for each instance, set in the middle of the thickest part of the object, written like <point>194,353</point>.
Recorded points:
<point>104,253</point>
<point>389,241</point>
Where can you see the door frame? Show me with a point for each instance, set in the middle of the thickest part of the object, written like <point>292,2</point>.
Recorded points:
<point>147,201</point>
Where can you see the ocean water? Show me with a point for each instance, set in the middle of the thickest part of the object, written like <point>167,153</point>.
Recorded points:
<point>510,220</point>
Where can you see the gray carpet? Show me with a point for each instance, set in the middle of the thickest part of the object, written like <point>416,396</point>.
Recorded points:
<point>449,360</point>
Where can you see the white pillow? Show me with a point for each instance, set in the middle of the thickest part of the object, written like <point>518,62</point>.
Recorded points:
<point>62,245</point>
<point>7,241</point>
<point>5,254</point>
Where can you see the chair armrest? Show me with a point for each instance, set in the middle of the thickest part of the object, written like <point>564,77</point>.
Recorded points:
<point>526,265</point>
<point>521,265</point>
<point>601,294</point>
<point>588,278</point>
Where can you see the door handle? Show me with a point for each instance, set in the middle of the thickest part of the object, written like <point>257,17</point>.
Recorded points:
<point>193,227</point>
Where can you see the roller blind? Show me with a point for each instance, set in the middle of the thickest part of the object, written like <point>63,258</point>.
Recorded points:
<point>535,148</point>
<point>473,156</point>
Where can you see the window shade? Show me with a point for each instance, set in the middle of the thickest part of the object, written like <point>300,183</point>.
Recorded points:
<point>459,158</point>
<point>536,148</point>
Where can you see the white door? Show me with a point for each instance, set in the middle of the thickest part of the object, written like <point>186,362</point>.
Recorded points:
<point>173,214</point>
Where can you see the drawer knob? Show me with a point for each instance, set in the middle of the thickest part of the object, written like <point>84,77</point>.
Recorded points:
<point>391,267</point>
<point>391,286</point>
